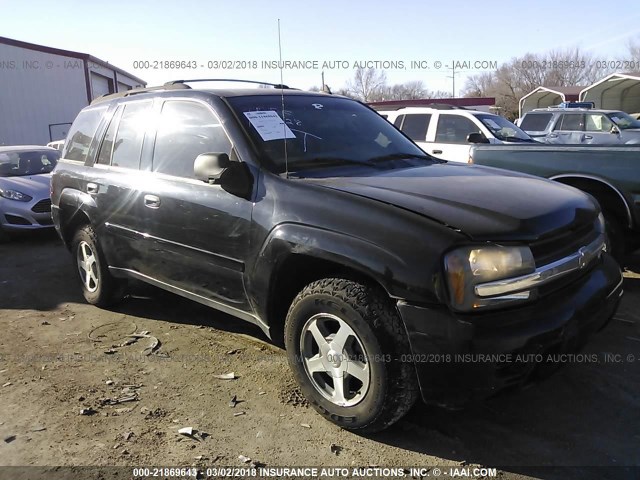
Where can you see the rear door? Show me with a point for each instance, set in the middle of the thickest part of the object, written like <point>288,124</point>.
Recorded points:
<point>116,185</point>
<point>568,129</point>
<point>197,233</point>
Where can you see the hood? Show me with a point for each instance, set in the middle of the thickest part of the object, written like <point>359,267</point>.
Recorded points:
<point>483,203</point>
<point>33,185</point>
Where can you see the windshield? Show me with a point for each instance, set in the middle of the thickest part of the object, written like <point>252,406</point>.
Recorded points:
<point>321,132</point>
<point>503,129</point>
<point>623,120</point>
<point>27,162</point>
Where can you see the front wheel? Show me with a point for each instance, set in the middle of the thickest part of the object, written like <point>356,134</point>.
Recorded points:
<point>616,244</point>
<point>99,287</point>
<point>345,342</point>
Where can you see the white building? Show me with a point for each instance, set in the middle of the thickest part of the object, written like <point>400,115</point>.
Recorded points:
<point>42,89</point>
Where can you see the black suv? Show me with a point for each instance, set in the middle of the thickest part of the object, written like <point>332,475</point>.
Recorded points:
<point>385,272</point>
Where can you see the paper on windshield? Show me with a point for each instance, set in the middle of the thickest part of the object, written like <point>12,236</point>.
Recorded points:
<point>269,125</point>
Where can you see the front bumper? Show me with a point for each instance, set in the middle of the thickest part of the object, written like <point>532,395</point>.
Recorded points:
<point>461,358</point>
<point>20,216</point>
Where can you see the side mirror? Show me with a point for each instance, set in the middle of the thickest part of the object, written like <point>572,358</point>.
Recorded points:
<point>233,177</point>
<point>477,137</point>
<point>615,129</point>
<point>209,166</point>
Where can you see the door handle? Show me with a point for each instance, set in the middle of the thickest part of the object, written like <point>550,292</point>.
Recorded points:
<point>552,135</point>
<point>588,137</point>
<point>436,152</point>
<point>92,187</point>
<point>152,201</point>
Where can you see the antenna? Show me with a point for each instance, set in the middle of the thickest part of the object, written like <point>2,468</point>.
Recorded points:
<point>284,123</point>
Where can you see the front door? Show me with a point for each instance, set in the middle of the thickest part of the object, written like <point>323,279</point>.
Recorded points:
<point>197,233</point>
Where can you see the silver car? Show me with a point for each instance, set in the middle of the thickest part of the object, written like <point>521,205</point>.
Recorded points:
<point>25,174</point>
<point>580,126</point>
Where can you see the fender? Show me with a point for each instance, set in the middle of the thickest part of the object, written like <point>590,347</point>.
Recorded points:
<point>404,277</point>
<point>569,176</point>
<point>71,204</point>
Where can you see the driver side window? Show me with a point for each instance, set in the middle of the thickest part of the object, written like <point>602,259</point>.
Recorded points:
<point>185,130</point>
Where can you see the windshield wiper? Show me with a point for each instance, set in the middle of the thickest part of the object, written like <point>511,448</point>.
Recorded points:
<point>330,162</point>
<point>400,156</point>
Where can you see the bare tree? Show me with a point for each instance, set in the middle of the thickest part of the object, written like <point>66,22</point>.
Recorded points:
<point>367,83</point>
<point>520,75</point>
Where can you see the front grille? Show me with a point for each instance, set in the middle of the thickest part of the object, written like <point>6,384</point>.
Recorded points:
<point>43,206</point>
<point>46,221</point>
<point>14,220</point>
<point>560,246</point>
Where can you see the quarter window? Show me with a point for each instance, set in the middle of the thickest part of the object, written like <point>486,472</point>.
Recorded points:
<point>185,130</point>
<point>535,122</point>
<point>81,133</point>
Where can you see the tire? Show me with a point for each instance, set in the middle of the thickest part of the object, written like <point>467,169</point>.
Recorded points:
<point>616,244</point>
<point>99,287</point>
<point>364,339</point>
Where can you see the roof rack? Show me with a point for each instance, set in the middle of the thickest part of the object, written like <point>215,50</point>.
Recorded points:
<point>179,85</point>
<point>444,106</point>
<point>135,91</point>
<point>182,82</point>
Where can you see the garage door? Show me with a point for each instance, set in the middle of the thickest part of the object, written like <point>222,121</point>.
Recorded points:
<point>100,85</point>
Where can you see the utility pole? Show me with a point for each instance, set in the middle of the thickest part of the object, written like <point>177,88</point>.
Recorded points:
<point>453,78</point>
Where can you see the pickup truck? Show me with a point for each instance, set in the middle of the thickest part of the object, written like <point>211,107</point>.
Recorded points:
<point>611,174</point>
<point>380,268</point>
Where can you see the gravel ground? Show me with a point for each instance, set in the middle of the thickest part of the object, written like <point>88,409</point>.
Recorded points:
<point>70,397</point>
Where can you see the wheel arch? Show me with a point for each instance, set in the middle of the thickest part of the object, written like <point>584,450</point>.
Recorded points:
<point>75,210</point>
<point>609,197</point>
<point>294,256</point>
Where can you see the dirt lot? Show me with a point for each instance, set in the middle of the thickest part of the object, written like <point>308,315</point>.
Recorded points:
<point>54,363</point>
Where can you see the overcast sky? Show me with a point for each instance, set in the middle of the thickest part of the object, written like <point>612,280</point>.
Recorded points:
<point>247,31</point>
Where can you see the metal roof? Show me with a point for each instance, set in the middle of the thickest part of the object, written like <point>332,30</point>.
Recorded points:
<point>618,91</point>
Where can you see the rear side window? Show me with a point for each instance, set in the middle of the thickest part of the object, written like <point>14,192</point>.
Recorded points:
<point>122,144</point>
<point>535,122</point>
<point>415,126</point>
<point>81,133</point>
<point>570,122</point>
<point>185,130</point>
<point>454,129</point>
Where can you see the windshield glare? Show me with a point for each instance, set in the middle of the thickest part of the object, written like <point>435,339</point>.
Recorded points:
<point>623,120</point>
<point>321,132</point>
<point>502,128</point>
<point>29,162</point>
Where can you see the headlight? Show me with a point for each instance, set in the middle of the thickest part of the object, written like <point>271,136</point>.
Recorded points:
<point>467,267</point>
<point>15,195</point>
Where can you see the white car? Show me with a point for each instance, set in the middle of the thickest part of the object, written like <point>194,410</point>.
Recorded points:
<point>449,132</point>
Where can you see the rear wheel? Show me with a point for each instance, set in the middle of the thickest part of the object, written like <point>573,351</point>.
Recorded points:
<point>99,287</point>
<point>344,343</point>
